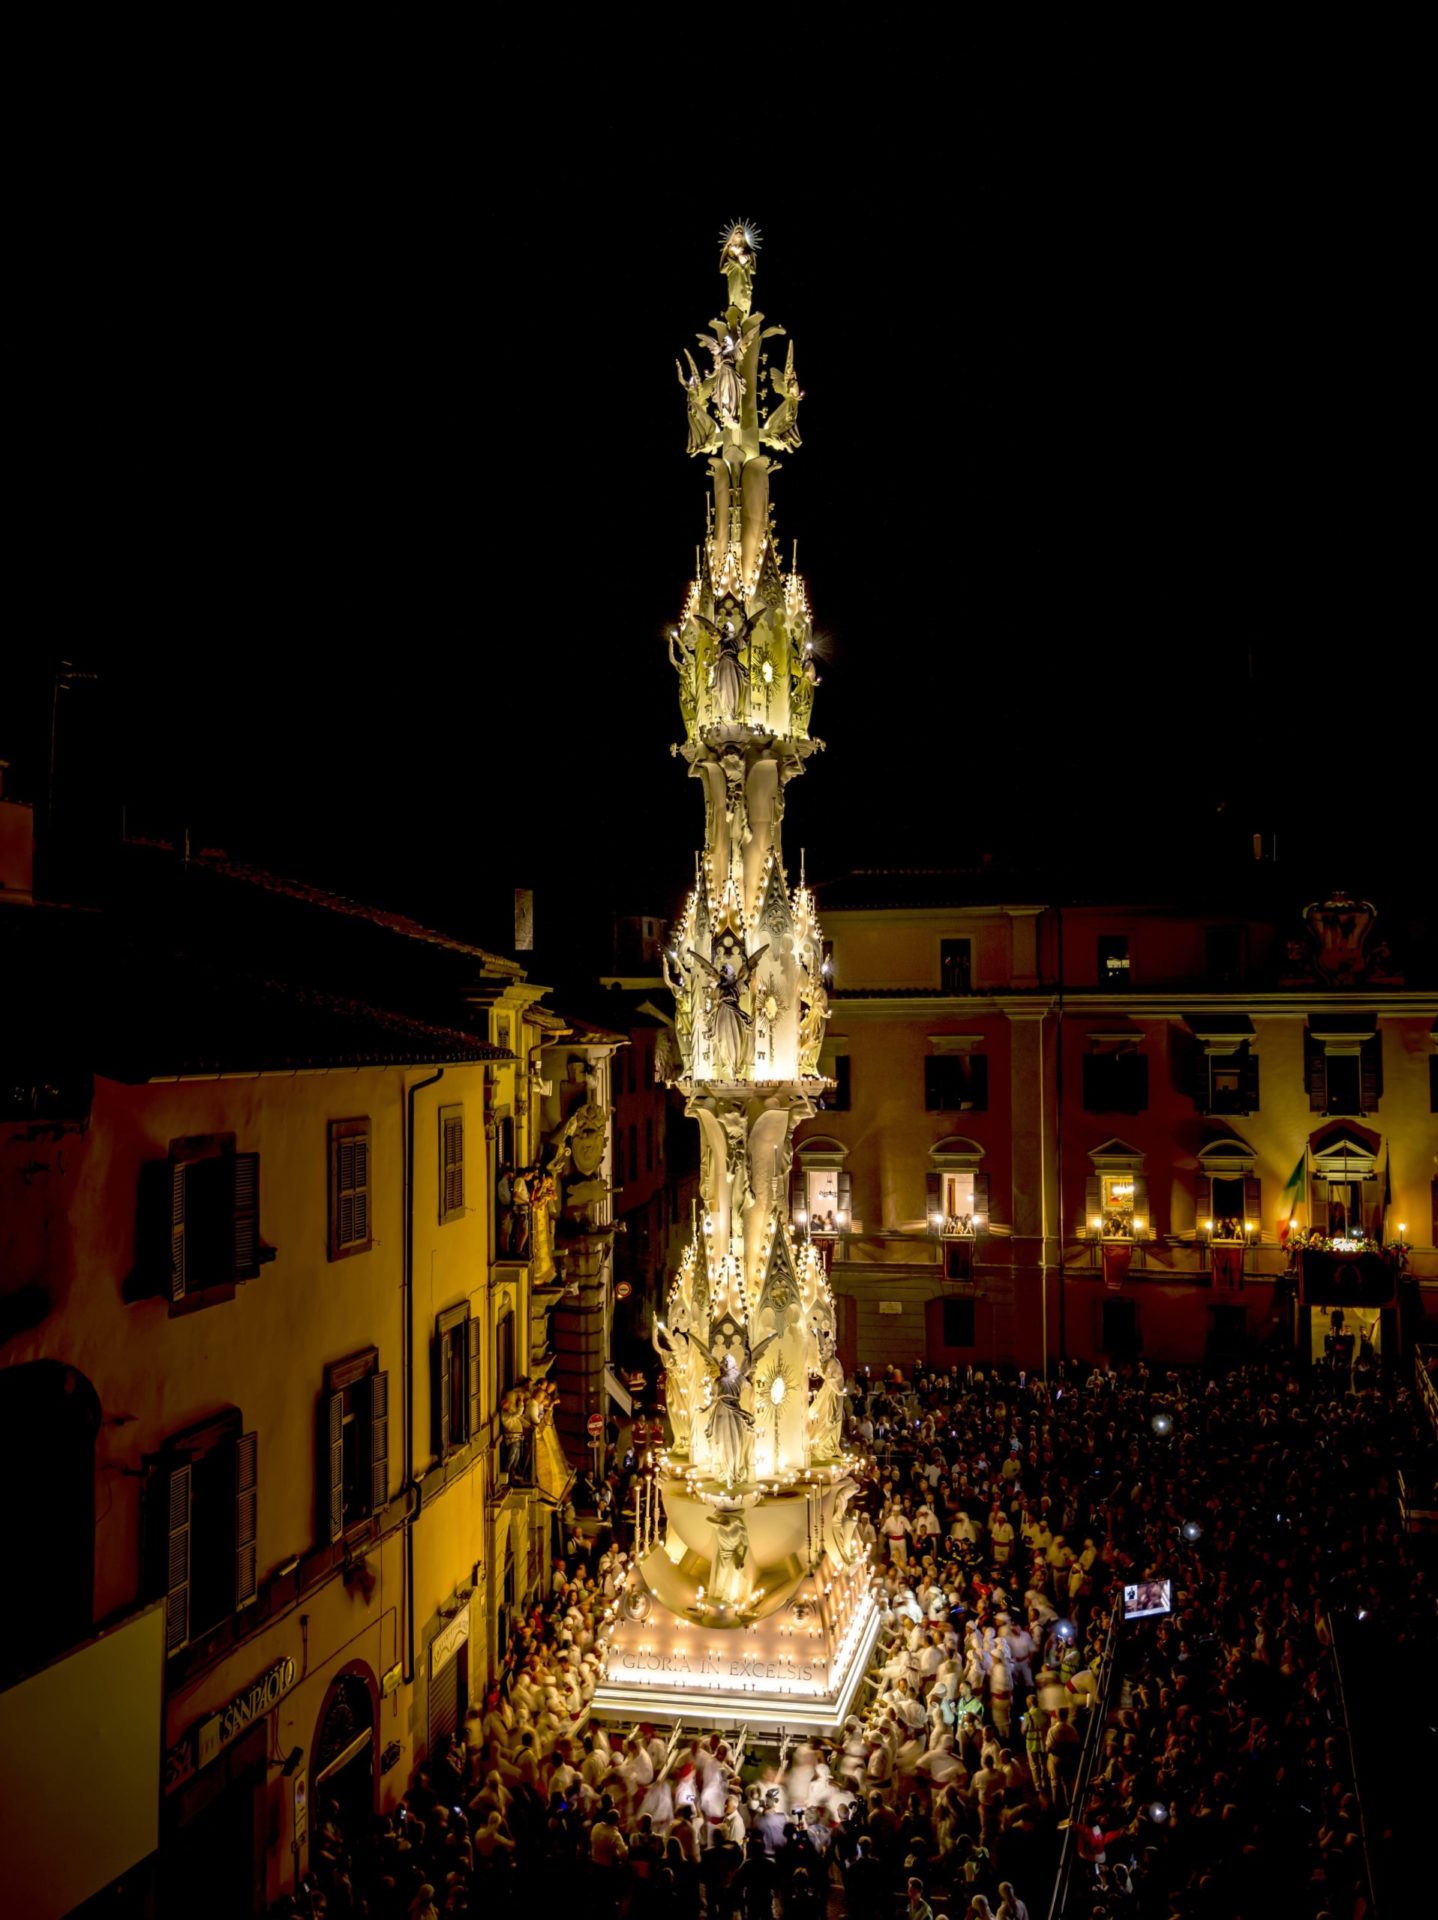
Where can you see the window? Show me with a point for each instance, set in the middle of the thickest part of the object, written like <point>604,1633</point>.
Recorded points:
<point>202,1526</point>
<point>823,1200</point>
<point>1113,959</point>
<point>451,1164</point>
<point>955,966</point>
<point>504,1140</point>
<point>1116,1204</point>
<point>1120,1327</point>
<point>1232,1081</point>
<point>1345,1075</point>
<point>504,1359</point>
<point>1226,956</point>
<point>350,1227</point>
<point>956,1082</point>
<point>354,1476</point>
<point>1115,1082</point>
<point>837,1070</point>
<point>649,1143</point>
<point>633,1153</point>
<point>457,1380</point>
<point>214,1208</point>
<point>958,1323</point>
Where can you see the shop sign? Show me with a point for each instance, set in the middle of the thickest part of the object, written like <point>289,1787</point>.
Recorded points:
<point>446,1645</point>
<point>198,1746</point>
<point>268,1691</point>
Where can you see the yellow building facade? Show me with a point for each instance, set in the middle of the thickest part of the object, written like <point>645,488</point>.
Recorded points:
<point>260,1319</point>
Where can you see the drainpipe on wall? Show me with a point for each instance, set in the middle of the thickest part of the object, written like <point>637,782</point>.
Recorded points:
<point>407,1294</point>
<point>1059,1141</point>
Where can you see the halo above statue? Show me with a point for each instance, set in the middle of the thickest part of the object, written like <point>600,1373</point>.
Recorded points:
<point>740,234</point>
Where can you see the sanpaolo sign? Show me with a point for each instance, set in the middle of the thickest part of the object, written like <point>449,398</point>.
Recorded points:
<point>216,1733</point>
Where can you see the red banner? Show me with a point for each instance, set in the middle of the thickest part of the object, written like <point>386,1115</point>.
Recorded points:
<point>1117,1258</point>
<point>1227,1266</point>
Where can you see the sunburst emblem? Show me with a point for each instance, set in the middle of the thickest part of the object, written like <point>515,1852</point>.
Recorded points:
<point>744,231</point>
<point>775,1383</point>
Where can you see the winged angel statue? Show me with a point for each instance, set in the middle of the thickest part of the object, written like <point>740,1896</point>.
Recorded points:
<point>728,1023</point>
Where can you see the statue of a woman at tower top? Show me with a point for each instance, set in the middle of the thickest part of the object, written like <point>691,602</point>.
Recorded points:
<point>739,243</point>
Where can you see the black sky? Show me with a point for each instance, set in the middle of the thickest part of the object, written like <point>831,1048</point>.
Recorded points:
<point>370,507</point>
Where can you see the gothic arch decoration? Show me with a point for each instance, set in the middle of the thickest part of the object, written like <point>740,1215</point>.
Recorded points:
<point>347,1717</point>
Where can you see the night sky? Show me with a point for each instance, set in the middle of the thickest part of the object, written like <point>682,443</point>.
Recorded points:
<point>369,505</point>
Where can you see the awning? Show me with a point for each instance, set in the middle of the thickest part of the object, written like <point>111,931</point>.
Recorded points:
<point>617,1391</point>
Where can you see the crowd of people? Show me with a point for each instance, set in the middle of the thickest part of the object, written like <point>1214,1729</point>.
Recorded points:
<point>1005,1514</point>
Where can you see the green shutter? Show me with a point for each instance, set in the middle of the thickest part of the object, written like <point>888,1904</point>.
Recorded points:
<point>177,1558</point>
<point>245,1242</point>
<point>475,1395</point>
<point>443,1361</point>
<point>1141,1209</point>
<point>1250,1079</point>
<point>933,1199</point>
<point>178,1256</point>
<point>344,1191</point>
<point>981,1202</point>
<point>247,1464</point>
<point>1092,1198</point>
<point>1253,1201</point>
<point>379,1440</point>
<point>360,1195</point>
<point>1202,1202</point>
<point>846,1199</point>
<point>335,1456</point>
<point>1317,1065</point>
<point>1371,1073</point>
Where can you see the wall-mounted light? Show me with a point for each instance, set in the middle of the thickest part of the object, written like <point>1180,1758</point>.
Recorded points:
<point>1095,1222</point>
<point>1208,1226</point>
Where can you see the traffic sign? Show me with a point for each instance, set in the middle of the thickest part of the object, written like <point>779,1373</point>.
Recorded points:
<point>596,1424</point>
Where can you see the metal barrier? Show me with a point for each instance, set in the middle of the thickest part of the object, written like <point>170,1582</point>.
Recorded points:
<point>1092,1747</point>
<point>1347,1724</point>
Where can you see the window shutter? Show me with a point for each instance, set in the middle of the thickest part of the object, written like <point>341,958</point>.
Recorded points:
<point>361,1186</point>
<point>344,1197</point>
<point>798,1199</point>
<point>246,1209</point>
<point>1136,1083</point>
<point>177,1558</point>
<point>1371,1073</point>
<point>981,1201</point>
<point>443,1360</point>
<point>933,1090</point>
<point>451,1186</point>
<point>1317,1074</point>
<point>379,1440</point>
<point>1202,1201</point>
<point>1095,1083</point>
<point>846,1198</point>
<point>1140,1204</point>
<point>978,1065</point>
<point>178,1261</point>
<point>1092,1200</point>
<point>476,1377</point>
<point>1253,1201</point>
<point>933,1197</point>
<point>1250,1080</point>
<point>247,1465</point>
<point>335,1448</point>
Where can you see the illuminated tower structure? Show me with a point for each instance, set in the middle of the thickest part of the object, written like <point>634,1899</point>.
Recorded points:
<point>749,1597</point>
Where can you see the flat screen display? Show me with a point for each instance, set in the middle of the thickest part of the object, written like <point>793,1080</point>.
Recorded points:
<point>1145,1597</point>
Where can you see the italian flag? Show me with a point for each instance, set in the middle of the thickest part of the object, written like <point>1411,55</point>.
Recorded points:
<point>1293,1195</point>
